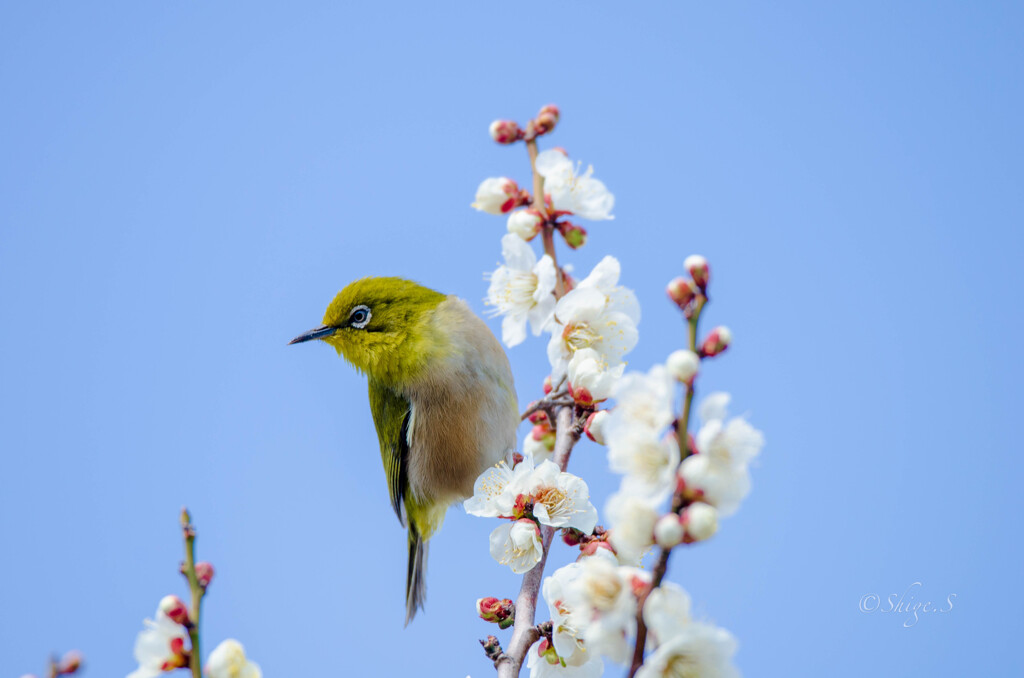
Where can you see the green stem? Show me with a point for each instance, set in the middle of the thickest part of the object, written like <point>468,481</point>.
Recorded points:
<point>189,571</point>
<point>547,229</point>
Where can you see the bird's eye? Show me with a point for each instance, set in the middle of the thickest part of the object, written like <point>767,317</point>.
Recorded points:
<point>359,317</point>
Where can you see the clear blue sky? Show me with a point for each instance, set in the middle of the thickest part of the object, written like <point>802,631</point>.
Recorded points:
<point>184,187</point>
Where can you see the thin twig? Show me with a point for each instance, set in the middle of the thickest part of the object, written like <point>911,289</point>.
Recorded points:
<point>189,570</point>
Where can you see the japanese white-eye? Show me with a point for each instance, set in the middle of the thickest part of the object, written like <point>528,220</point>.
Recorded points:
<point>441,395</point>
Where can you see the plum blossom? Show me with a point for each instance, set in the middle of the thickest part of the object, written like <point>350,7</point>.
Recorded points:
<point>605,597</point>
<point>496,195</point>
<point>522,290</point>
<point>159,647</point>
<point>545,662</point>
<point>586,318</point>
<point>571,191</point>
<point>559,499</point>
<point>490,491</point>
<point>525,223</point>
<point>698,649</point>
<point>591,380</point>
<point>228,660</point>
<point>632,518</point>
<point>666,611</point>
<point>605,278</point>
<point>569,656</point>
<point>517,544</point>
<point>720,469</point>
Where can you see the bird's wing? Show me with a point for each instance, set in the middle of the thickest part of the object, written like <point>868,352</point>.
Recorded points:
<point>391,414</point>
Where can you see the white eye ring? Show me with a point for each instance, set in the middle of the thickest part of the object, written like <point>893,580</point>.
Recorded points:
<point>362,322</point>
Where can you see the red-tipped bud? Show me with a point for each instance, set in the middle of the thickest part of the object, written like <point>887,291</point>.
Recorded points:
<point>581,395</point>
<point>546,119</point>
<point>546,651</point>
<point>571,536</point>
<point>525,223</point>
<point>681,291</point>
<point>69,663</point>
<point>505,131</point>
<point>539,417</point>
<point>496,195</point>
<point>204,573</point>
<point>716,342</point>
<point>175,609</point>
<point>548,386</point>
<point>640,585</point>
<point>700,522</point>
<point>497,611</point>
<point>592,547</point>
<point>594,426</point>
<point>542,433</point>
<point>575,236</point>
<point>699,270</point>
<point>516,458</point>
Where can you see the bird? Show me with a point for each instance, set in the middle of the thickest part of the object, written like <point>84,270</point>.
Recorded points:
<point>441,395</point>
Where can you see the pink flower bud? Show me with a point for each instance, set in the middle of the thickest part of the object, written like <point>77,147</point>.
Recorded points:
<point>496,195</point>
<point>546,651</point>
<point>204,573</point>
<point>571,536</point>
<point>699,270</point>
<point>681,291</point>
<point>716,342</point>
<point>543,433</point>
<point>640,584</point>
<point>516,458</point>
<point>594,426</point>
<point>592,547</point>
<point>175,609</point>
<point>496,611</point>
<point>69,663</point>
<point>525,223</point>
<point>505,131</point>
<point>700,522</point>
<point>539,417</point>
<point>548,386</point>
<point>668,531</point>
<point>581,395</point>
<point>575,236</point>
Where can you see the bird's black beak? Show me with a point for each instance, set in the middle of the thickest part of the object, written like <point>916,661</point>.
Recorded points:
<point>315,333</point>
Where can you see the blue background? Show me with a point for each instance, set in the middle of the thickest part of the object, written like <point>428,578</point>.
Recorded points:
<point>184,187</point>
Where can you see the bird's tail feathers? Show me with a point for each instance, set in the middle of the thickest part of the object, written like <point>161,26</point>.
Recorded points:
<point>415,582</point>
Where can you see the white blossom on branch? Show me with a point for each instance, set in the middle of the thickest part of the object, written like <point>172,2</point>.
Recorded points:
<point>522,290</point>
<point>573,191</point>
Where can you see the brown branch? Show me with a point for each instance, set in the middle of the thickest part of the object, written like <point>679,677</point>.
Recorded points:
<point>524,632</point>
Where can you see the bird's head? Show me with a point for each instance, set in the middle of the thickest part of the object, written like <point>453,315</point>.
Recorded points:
<point>381,326</point>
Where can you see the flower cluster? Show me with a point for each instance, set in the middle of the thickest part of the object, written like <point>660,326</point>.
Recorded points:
<point>529,496</point>
<point>170,640</point>
<point>674,486</point>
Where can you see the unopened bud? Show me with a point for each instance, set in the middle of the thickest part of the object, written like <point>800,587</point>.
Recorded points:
<point>548,386</point>
<point>716,342</point>
<point>592,547</point>
<point>496,195</point>
<point>69,663</point>
<point>681,291</point>
<point>699,270</point>
<point>497,611</point>
<point>505,131</point>
<point>582,396</point>
<point>546,119</point>
<point>175,609</point>
<point>594,426</point>
<point>575,236</point>
<point>186,518</point>
<point>700,521</point>
<point>204,573</point>
<point>683,365</point>
<point>543,433</point>
<point>516,458</point>
<point>525,223</point>
<point>538,417</point>
<point>571,536</point>
<point>668,531</point>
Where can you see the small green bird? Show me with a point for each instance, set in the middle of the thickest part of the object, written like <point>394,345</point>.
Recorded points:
<point>441,394</point>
